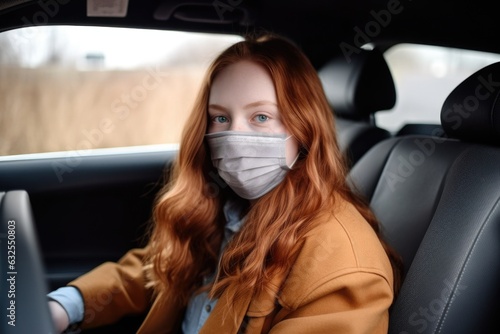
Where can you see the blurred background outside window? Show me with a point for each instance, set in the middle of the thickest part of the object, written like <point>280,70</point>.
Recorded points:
<point>83,88</point>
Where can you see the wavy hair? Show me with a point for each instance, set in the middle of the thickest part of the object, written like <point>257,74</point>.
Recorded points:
<point>187,234</point>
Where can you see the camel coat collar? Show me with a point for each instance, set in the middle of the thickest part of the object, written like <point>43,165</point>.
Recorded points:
<point>166,317</point>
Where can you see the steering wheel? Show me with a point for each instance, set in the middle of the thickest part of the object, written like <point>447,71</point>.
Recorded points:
<point>24,307</point>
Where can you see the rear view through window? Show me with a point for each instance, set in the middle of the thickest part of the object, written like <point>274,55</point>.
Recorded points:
<point>424,75</point>
<point>84,88</point>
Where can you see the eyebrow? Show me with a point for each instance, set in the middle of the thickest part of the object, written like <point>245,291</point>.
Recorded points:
<point>248,106</point>
<point>259,103</point>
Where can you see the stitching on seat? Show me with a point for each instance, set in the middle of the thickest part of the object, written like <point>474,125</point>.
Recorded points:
<point>459,158</point>
<point>462,271</point>
<point>387,157</point>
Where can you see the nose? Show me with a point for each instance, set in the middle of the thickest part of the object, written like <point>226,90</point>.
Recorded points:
<point>239,124</point>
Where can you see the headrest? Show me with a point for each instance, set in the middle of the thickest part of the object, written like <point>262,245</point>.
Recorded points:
<point>472,111</point>
<point>358,86</point>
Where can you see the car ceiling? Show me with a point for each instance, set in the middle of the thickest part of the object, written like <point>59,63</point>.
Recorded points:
<point>320,27</point>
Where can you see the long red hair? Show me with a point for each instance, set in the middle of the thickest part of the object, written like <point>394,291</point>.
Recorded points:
<point>187,234</point>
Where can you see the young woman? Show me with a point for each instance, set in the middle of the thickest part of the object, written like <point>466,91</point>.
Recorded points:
<point>257,230</point>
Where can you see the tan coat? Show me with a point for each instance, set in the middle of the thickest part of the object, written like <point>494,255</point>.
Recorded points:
<point>341,282</point>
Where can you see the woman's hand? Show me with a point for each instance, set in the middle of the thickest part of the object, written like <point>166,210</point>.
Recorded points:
<point>59,316</point>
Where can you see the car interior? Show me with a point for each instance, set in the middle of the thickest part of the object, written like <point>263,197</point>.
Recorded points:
<point>356,97</point>
<point>434,186</point>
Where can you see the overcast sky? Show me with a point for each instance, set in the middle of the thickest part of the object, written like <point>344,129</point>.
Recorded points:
<point>120,48</point>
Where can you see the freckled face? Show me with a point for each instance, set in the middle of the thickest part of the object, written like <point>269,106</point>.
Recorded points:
<point>243,98</point>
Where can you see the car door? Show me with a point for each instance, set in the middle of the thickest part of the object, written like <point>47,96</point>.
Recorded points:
<point>91,138</point>
<point>100,209</point>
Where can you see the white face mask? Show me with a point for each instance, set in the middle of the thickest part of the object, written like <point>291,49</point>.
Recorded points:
<point>251,163</point>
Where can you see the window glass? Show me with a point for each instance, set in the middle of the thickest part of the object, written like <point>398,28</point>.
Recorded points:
<point>79,89</point>
<point>424,76</point>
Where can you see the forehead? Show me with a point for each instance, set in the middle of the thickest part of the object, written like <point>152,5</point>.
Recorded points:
<point>242,82</point>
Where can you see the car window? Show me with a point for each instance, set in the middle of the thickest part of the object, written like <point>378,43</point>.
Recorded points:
<point>66,88</point>
<point>424,76</point>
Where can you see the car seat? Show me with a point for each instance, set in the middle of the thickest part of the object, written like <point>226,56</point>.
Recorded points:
<point>356,87</point>
<point>438,201</point>
<point>435,130</point>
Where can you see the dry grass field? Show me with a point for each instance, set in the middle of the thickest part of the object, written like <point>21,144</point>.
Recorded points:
<point>51,109</point>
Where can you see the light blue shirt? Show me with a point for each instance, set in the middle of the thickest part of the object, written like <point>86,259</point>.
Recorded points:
<point>199,306</point>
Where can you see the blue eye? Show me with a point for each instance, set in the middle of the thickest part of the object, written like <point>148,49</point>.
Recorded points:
<point>261,118</point>
<point>220,119</point>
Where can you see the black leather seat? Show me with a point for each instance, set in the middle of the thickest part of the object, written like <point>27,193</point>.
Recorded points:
<point>435,130</point>
<point>438,200</point>
<point>356,88</point>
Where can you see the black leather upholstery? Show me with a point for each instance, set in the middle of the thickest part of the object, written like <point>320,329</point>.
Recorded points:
<point>438,200</point>
<point>356,88</point>
<point>355,138</point>
<point>24,290</point>
<point>472,110</point>
<point>435,130</point>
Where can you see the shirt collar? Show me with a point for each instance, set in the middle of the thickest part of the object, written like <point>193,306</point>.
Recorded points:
<point>233,211</point>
